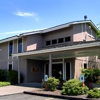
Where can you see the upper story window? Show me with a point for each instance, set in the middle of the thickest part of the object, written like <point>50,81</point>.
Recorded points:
<point>10,48</point>
<point>67,39</point>
<point>60,40</point>
<point>48,42</point>
<point>54,41</point>
<point>19,45</point>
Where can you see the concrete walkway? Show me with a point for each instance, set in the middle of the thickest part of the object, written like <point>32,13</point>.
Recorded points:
<point>12,89</point>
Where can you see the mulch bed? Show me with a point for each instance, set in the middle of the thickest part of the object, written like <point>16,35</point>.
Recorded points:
<point>57,93</point>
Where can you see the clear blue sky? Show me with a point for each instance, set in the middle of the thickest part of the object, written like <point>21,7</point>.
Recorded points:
<point>18,16</point>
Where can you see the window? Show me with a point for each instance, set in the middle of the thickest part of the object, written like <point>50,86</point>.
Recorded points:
<point>54,41</point>
<point>67,39</point>
<point>10,67</point>
<point>19,45</point>
<point>10,48</point>
<point>85,65</point>
<point>48,43</point>
<point>98,56</point>
<point>60,40</point>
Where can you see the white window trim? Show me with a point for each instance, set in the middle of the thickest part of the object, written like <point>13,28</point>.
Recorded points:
<point>8,50</point>
<point>22,44</point>
<point>12,49</point>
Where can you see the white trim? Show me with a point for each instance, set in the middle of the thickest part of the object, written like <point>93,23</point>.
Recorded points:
<point>8,39</point>
<point>80,46</point>
<point>13,49</point>
<point>8,50</point>
<point>12,65</point>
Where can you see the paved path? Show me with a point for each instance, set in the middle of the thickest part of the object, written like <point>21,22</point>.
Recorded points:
<point>6,90</point>
<point>27,97</point>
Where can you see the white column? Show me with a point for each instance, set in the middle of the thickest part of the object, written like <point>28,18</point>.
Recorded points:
<point>19,70</point>
<point>65,71</point>
<point>50,65</point>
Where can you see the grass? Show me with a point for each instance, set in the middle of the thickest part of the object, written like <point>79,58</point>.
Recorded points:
<point>4,84</point>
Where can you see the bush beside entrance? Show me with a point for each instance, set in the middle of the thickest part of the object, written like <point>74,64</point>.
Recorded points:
<point>74,87</point>
<point>9,76</point>
<point>51,84</point>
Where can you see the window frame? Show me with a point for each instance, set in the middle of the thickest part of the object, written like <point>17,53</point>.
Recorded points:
<point>59,39</point>
<point>69,38</point>
<point>18,45</point>
<point>54,40</point>
<point>10,48</point>
<point>47,44</point>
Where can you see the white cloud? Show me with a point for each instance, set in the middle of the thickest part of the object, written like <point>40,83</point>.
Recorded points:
<point>27,14</point>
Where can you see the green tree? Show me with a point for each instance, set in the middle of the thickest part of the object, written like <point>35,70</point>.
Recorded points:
<point>98,26</point>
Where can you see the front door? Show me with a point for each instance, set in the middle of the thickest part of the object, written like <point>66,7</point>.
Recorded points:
<point>57,71</point>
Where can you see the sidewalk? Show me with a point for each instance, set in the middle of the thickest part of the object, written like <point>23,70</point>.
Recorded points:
<point>13,89</point>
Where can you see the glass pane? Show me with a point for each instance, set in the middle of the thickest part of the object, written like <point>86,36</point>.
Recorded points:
<point>47,42</point>
<point>10,48</point>
<point>10,67</point>
<point>61,40</point>
<point>19,45</point>
<point>67,71</point>
<point>67,39</point>
<point>54,41</point>
<point>47,69</point>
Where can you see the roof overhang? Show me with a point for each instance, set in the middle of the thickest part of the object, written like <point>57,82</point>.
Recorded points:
<point>61,27</point>
<point>50,29</point>
<point>93,45</point>
<point>9,39</point>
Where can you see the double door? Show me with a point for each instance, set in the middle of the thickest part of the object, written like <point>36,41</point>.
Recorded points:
<point>59,71</point>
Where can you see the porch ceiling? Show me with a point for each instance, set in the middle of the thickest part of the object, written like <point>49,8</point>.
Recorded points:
<point>65,54</point>
<point>76,49</point>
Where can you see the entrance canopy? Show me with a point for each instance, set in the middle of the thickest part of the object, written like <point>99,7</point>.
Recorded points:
<point>69,50</point>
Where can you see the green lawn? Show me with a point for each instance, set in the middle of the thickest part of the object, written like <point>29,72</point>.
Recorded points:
<point>4,84</point>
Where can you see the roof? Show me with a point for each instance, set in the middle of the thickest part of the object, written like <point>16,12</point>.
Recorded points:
<point>61,47</point>
<point>51,29</point>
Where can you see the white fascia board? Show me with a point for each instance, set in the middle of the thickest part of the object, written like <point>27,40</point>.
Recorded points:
<point>80,46</point>
<point>9,39</point>
<point>29,33</point>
